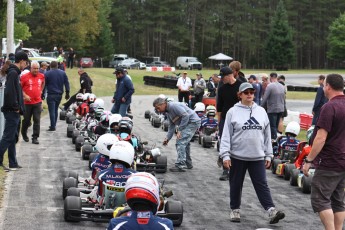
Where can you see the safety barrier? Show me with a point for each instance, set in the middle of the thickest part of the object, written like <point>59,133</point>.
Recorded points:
<point>159,69</point>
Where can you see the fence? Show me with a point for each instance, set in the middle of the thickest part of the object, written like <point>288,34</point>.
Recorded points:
<point>2,119</point>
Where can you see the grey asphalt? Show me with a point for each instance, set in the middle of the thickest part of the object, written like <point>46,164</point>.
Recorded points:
<point>33,196</point>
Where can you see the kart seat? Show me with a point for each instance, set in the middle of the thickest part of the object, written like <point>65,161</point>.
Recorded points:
<point>114,196</point>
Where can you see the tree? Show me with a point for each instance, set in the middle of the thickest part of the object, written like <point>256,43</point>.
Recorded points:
<point>279,47</point>
<point>336,39</point>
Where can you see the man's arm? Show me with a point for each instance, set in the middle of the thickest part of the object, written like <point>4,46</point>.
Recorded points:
<point>130,87</point>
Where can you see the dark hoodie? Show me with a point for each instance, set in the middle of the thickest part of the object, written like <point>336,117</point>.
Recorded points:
<point>13,97</point>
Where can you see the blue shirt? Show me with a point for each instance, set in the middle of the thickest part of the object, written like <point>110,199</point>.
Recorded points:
<point>124,88</point>
<point>288,143</point>
<point>55,81</point>
<point>99,163</point>
<point>209,123</point>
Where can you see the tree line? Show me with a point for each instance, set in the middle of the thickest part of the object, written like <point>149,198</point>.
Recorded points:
<point>242,29</point>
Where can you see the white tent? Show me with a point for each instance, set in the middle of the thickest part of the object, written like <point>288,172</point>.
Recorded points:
<point>220,57</point>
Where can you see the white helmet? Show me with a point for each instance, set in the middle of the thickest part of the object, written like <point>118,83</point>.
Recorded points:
<point>293,128</point>
<point>143,189</point>
<point>86,96</point>
<point>162,96</point>
<point>105,142</point>
<point>199,107</point>
<point>99,102</point>
<point>115,118</point>
<point>122,151</point>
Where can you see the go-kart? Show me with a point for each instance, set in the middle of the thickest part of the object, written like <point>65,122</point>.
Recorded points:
<point>79,185</point>
<point>165,125</point>
<point>208,137</point>
<point>283,165</point>
<point>157,120</point>
<point>85,143</point>
<point>149,159</point>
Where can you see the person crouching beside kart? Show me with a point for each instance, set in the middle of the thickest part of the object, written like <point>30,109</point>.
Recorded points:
<point>142,196</point>
<point>289,142</point>
<point>121,158</point>
<point>103,125</point>
<point>125,132</point>
<point>102,161</point>
<point>114,123</point>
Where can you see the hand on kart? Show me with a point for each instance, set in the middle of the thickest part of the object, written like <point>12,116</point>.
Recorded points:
<point>267,164</point>
<point>178,135</point>
<point>306,167</point>
<point>227,164</point>
<point>165,142</point>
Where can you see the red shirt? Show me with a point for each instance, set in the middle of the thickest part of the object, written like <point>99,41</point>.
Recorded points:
<point>32,86</point>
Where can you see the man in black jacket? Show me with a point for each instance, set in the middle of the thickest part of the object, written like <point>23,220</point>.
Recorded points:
<point>12,108</point>
<point>85,87</point>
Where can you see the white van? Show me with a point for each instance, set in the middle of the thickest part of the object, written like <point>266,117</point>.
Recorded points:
<point>184,62</point>
<point>117,58</point>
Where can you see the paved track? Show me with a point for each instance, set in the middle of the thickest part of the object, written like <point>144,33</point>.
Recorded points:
<point>33,197</point>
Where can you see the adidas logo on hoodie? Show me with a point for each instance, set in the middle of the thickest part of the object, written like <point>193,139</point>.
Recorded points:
<point>252,123</point>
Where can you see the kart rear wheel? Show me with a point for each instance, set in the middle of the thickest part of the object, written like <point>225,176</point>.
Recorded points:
<point>62,115</point>
<point>174,209</point>
<point>293,177</point>
<point>68,115</point>
<point>86,150</point>
<point>71,203</point>
<point>199,139</point>
<point>74,135</point>
<point>306,184</point>
<point>70,129</point>
<point>157,122</point>
<point>73,175</point>
<point>71,119</point>
<point>73,192</point>
<point>207,142</point>
<point>165,126</point>
<point>147,114</point>
<point>67,183</point>
<point>275,163</point>
<point>91,159</point>
<point>161,160</point>
<point>79,141</point>
<point>287,171</point>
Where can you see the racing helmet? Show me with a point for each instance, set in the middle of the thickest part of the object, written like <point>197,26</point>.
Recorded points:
<point>79,97</point>
<point>199,107</point>
<point>105,142</point>
<point>92,124</point>
<point>99,102</point>
<point>122,151</point>
<point>310,132</point>
<point>104,121</point>
<point>91,98</point>
<point>114,120</point>
<point>98,112</point>
<point>162,96</point>
<point>85,96</point>
<point>210,107</point>
<point>293,128</point>
<point>125,125</point>
<point>142,192</point>
<point>211,112</point>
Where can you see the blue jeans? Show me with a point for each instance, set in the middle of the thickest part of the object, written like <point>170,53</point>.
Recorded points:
<point>8,141</point>
<point>53,101</point>
<point>274,123</point>
<point>120,108</point>
<point>183,145</point>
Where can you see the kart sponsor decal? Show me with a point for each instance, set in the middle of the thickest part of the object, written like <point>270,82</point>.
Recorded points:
<point>252,123</point>
<point>143,217</point>
<point>111,188</point>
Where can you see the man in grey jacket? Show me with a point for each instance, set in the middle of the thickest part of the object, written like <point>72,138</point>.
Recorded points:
<point>187,121</point>
<point>273,100</point>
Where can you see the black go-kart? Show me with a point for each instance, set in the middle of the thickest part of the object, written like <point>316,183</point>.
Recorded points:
<point>85,143</point>
<point>208,137</point>
<point>149,159</point>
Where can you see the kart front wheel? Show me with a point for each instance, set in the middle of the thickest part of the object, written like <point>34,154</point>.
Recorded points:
<point>62,115</point>
<point>163,162</point>
<point>287,171</point>
<point>294,177</point>
<point>70,129</point>
<point>174,211</point>
<point>71,203</point>
<point>67,183</point>
<point>306,184</point>
<point>73,192</point>
<point>86,150</point>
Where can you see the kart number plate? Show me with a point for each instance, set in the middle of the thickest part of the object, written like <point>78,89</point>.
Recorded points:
<point>115,189</point>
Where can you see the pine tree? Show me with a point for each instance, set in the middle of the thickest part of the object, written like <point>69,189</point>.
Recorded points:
<point>336,39</point>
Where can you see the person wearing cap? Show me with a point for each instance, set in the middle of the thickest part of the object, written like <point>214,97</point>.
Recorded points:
<point>258,88</point>
<point>274,101</point>
<point>12,108</point>
<point>199,88</point>
<point>184,83</point>
<point>123,95</point>
<point>236,69</point>
<point>246,145</point>
<point>227,98</point>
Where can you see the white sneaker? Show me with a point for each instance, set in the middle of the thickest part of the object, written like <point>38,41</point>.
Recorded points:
<point>235,215</point>
<point>275,215</point>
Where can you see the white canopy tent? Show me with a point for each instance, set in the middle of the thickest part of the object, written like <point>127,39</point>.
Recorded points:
<point>220,57</point>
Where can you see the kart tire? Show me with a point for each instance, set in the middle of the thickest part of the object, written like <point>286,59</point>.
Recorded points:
<point>86,150</point>
<point>293,177</point>
<point>165,126</point>
<point>162,160</point>
<point>70,129</point>
<point>207,142</point>
<point>275,163</point>
<point>73,192</point>
<point>74,135</point>
<point>73,175</point>
<point>67,183</point>
<point>200,138</point>
<point>71,203</point>
<point>147,114</point>
<point>62,115</point>
<point>157,122</point>
<point>306,184</point>
<point>91,158</point>
<point>287,171</point>
<point>71,119</point>
<point>79,142</point>
<point>174,209</point>
<point>68,115</point>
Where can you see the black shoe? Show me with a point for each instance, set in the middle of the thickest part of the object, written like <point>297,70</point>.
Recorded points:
<point>51,129</point>
<point>35,141</point>
<point>190,167</point>
<point>25,137</point>
<point>224,176</point>
<point>177,169</point>
<point>4,168</point>
<point>15,168</point>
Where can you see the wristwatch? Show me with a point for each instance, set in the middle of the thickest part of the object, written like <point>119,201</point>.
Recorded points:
<point>306,161</point>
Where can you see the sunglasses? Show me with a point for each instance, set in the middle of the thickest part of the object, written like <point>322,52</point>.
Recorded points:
<point>248,92</point>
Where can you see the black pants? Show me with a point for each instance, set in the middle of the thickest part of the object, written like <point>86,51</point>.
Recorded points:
<point>183,96</point>
<point>257,173</point>
<point>33,111</point>
<point>70,101</point>
<point>70,62</point>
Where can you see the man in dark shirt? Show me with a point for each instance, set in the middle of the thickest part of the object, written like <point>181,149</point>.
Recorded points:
<point>56,79</point>
<point>227,98</point>
<point>70,58</point>
<point>328,156</point>
<point>320,100</point>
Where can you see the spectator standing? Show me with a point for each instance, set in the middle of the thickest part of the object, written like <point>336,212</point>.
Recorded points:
<point>123,95</point>
<point>281,80</point>
<point>56,79</point>
<point>212,85</point>
<point>320,100</point>
<point>245,123</point>
<point>258,88</point>
<point>12,108</point>
<point>227,98</point>
<point>184,84</point>
<point>199,88</point>
<point>181,116</point>
<point>273,100</point>
<point>44,67</point>
<point>32,84</point>
<point>85,87</point>
<point>19,48</point>
<point>70,58</point>
<point>265,82</point>
<point>328,157</point>
<point>129,110</point>
<point>236,69</point>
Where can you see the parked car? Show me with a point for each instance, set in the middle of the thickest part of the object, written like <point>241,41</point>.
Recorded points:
<point>86,62</point>
<point>184,62</point>
<point>34,56</point>
<point>132,63</point>
<point>117,58</point>
<point>158,64</point>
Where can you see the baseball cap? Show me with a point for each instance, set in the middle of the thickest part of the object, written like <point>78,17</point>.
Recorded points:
<point>118,70</point>
<point>252,77</point>
<point>225,71</point>
<point>244,86</point>
<point>20,56</point>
